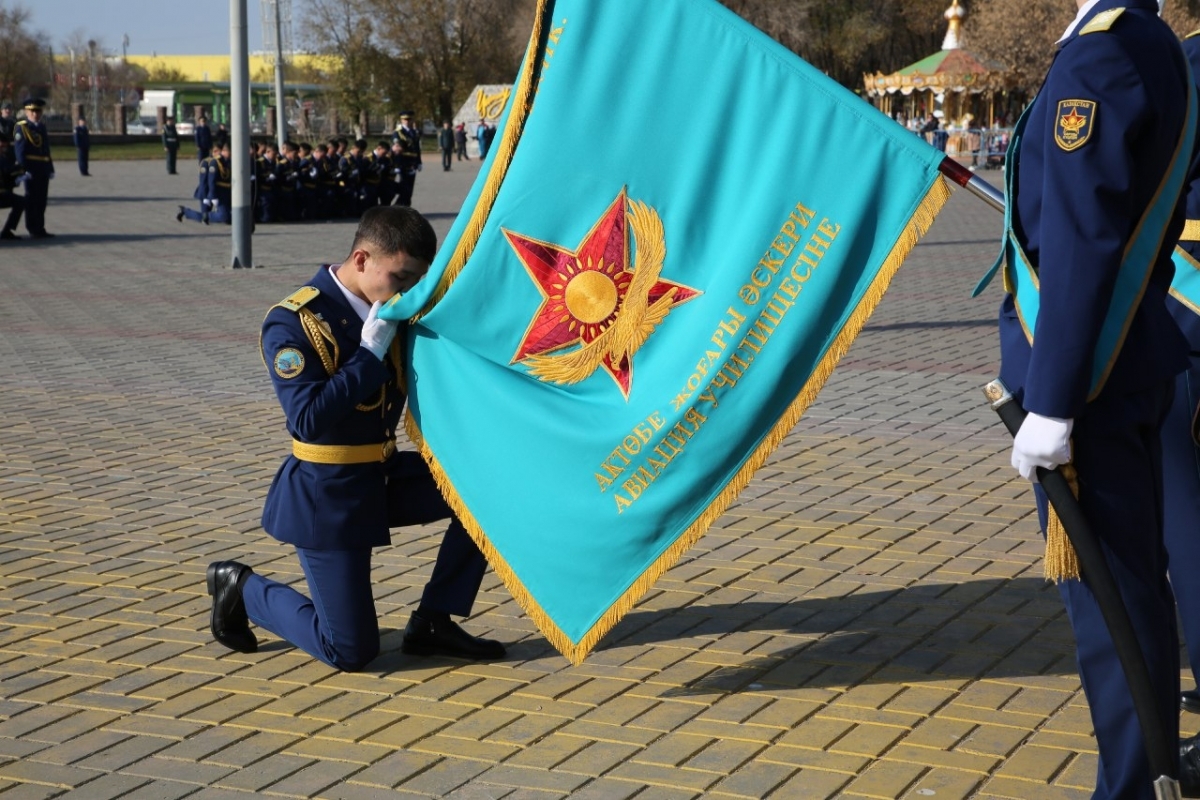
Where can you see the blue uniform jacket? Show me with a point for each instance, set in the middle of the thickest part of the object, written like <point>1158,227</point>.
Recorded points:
<point>31,144</point>
<point>1188,320</point>
<point>1075,210</point>
<point>322,506</point>
<point>82,138</point>
<point>204,140</point>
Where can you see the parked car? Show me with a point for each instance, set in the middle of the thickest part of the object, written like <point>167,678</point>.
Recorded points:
<point>185,128</point>
<point>141,128</point>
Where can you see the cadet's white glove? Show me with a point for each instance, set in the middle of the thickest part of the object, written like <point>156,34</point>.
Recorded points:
<point>1042,442</point>
<point>377,333</point>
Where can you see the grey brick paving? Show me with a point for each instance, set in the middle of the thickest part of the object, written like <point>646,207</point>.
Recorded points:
<point>868,620</point>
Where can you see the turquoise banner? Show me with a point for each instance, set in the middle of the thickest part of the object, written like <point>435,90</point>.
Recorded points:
<point>680,229</point>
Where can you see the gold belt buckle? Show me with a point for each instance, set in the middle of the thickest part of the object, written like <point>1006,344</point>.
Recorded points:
<point>389,447</point>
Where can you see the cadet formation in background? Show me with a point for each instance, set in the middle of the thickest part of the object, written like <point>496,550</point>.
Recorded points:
<point>335,179</point>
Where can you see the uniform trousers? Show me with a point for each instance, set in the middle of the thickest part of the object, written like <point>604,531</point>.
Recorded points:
<point>37,193</point>
<point>1181,507</point>
<point>17,204</point>
<point>337,623</point>
<point>1118,455</point>
<point>404,189</point>
<point>82,158</point>
<point>172,153</point>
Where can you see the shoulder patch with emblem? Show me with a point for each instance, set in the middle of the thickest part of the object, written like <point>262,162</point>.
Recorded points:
<point>1074,123</point>
<point>289,362</point>
<point>300,298</point>
<point>1102,21</point>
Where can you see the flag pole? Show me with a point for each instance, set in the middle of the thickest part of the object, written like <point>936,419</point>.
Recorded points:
<point>972,183</point>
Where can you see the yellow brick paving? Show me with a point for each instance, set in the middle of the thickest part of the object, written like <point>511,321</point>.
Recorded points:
<point>868,621</point>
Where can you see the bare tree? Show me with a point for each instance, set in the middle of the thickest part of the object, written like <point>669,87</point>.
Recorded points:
<point>23,60</point>
<point>1020,34</point>
<point>442,48</point>
<point>346,29</point>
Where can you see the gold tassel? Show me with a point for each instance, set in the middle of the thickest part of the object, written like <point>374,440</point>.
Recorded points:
<point>1061,562</point>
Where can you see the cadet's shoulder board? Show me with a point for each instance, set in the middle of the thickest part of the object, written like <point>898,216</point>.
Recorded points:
<point>1102,21</point>
<point>300,298</point>
<point>1074,123</point>
<point>1193,33</point>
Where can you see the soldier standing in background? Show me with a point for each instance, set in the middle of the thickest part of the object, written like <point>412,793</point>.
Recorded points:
<point>203,137</point>
<point>170,140</point>
<point>407,159</point>
<point>83,144</point>
<point>32,147</point>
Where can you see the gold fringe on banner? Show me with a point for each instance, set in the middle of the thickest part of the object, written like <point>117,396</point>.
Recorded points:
<point>1061,562</point>
<point>918,224</point>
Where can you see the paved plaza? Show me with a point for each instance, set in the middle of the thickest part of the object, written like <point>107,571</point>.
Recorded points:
<point>869,620</point>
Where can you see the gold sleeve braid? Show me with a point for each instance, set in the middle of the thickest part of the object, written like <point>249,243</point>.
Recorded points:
<point>323,342</point>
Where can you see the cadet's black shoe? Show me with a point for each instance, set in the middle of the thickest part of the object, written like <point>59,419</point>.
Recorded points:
<point>442,637</point>
<point>42,235</point>
<point>228,621</point>
<point>1189,767</point>
<point>1190,701</point>
<point>7,234</point>
<point>204,217</point>
<point>179,216</point>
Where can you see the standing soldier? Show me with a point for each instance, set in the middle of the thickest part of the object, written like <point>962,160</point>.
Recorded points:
<point>170,140</point>
<point>377,189</point>
<point>267,177</point>
<point>288,172</point>
<point>446,143</point>
<point>83,144</point>
<point>32,147</point>
<point>204,140</point>
<point>1181,453</point>
<point>1094,187</point>
<point>407,159</point>
<point>351,168</point>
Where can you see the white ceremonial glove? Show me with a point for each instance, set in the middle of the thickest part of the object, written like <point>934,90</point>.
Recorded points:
<point>214,203</point>
<point>24,178</point>
<point>378,333</point>
<point>1042,442</point>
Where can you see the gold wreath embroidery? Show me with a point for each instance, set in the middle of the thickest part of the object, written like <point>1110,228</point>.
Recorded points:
<point>637,317</point>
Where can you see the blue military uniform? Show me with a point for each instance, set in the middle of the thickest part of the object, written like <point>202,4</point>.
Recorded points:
<point>1090,175</point>
<point>83,144</point>
<point>1181,456</point>
<point>202,192</point>
<point>220,190</point>
<point>204,140</point>
<point>407,163</point>
<point>170,141</point>
<point>345,484</point>
<point>31,144</point>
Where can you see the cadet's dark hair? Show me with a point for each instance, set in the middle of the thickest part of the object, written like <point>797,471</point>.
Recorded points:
<point>395,229</point>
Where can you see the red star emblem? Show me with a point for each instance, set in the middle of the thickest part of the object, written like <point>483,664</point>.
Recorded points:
<point>1074,121</point>
<point>584,290</point>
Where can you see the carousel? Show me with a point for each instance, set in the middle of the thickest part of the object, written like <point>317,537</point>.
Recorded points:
<point>958,87</point>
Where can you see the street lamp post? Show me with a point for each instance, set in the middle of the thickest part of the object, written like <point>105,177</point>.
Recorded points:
<point>95,87</point>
